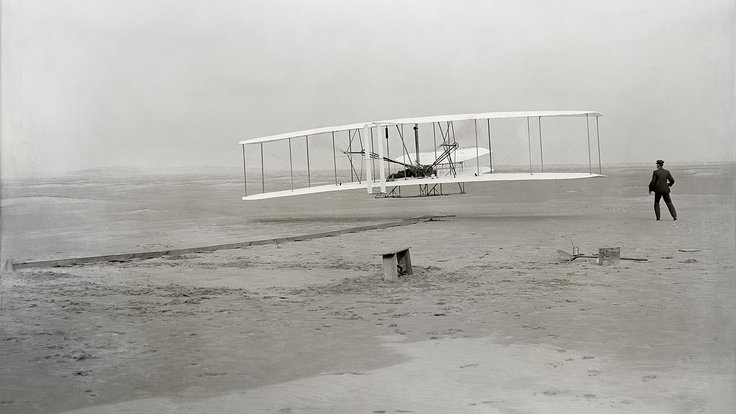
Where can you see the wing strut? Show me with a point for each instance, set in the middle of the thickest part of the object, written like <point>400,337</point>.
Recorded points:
<point>368,161</point>
<point>529,136</point>
<point>309,172</point>
<point>373,146</point>
<point>403,143</point>
<point>477,153</point>
<point>416,142</point>
<point>291,166</point>
<point>587,127</point>
<point>263,176</point>
<point>434,140</point>
<point>334,157</point>
<point>381,170</point>
<point>388,149</point>
<point>351,138</point>
<point>449,149</point>
<point>245,174</point>
<point>490,147</point>
<point>598,134</point>
<point>353,172</point>
<point>541,152</point>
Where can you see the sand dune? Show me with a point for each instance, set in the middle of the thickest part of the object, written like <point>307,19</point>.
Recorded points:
<point>493,320</point>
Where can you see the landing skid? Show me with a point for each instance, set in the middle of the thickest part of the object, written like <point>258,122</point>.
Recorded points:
<point>425,190</point>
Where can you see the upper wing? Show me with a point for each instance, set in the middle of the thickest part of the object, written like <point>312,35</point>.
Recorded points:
<point>418,120</point>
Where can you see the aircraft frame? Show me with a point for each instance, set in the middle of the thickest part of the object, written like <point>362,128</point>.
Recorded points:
<point>419,168</point>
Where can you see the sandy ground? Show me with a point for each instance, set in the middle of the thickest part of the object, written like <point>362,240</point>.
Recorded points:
<point>493,320</point>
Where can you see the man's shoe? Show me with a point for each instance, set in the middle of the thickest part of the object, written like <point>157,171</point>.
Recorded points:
<point>675,219</point>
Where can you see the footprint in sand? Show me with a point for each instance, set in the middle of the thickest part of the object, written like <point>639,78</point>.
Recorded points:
<point>485,402</point>
<point>211,374</point>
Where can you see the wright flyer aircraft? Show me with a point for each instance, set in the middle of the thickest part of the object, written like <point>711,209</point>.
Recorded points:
<point>424,156</point>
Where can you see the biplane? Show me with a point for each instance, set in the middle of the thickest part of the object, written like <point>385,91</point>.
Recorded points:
<point>436,155</point>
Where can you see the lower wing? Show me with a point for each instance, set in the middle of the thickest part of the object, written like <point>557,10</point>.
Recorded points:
<point>467,177</point>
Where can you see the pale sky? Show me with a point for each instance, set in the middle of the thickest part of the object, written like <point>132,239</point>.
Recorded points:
<point>177,83</point>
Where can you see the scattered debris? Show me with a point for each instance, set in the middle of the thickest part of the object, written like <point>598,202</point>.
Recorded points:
<point>7,266</point>
<point>609,256</point>
<point>575,249</point>
<point>570,257</point>
<point>636,259</point>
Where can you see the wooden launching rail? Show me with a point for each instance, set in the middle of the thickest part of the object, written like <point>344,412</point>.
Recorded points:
<point>9,265</point>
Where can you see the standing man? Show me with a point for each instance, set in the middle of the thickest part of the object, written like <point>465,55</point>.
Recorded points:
<point>661,182</point>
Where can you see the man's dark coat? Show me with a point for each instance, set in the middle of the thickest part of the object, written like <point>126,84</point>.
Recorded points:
<point>661,181</point>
